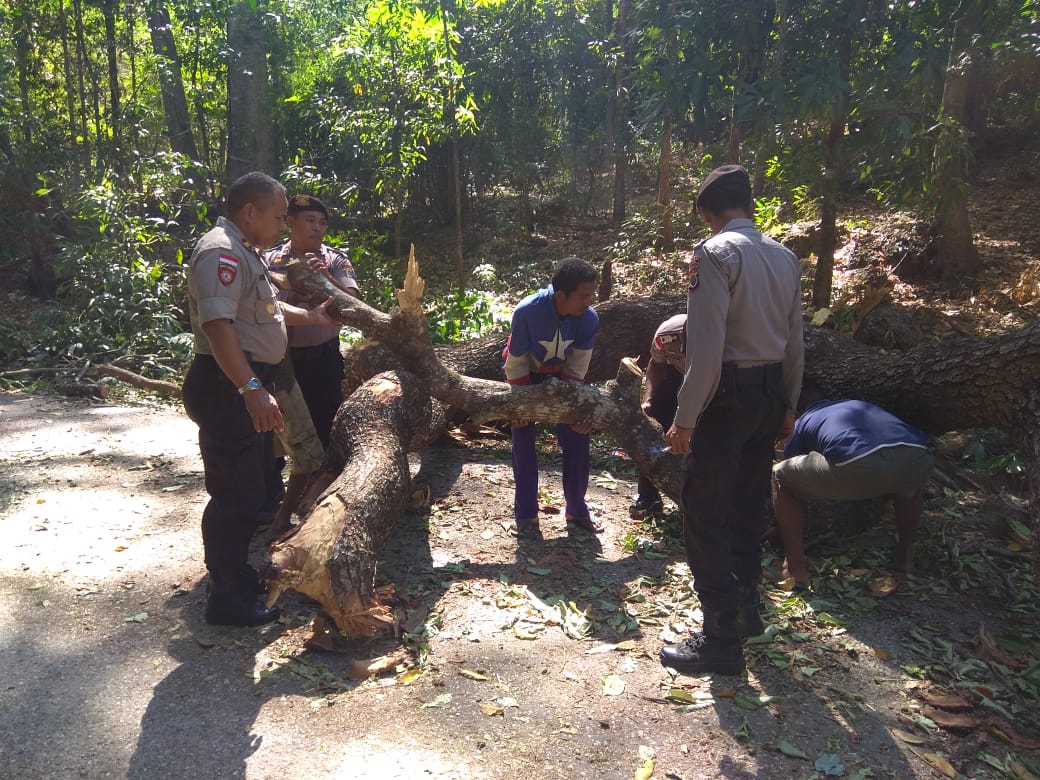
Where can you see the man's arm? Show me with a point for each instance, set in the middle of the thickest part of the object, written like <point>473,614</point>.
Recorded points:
<point>794,357</point>
<point>319,315</point>
<point>227,350</point>
<point>707,305</point>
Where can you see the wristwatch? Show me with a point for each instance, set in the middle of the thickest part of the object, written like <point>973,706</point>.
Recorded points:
<point>252,384</point>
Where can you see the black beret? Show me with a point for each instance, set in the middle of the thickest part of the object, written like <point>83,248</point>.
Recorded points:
<point>729,177</point>
<point>300,203</point>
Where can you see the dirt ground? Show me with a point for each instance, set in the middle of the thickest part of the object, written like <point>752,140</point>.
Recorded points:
<point>110,671</point>
<point>510,660</point>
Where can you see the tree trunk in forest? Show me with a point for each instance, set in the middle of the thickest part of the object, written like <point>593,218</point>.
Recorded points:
<point>456,175</point>
<point>957,384</point>
<point>666,238</point>
<point>955,253</point>
<point>833,164</point>
<point>621,113</point>
<point>22,35</point>
<point>171,83</point>
<point>610,121</point>
<point>249,130</point>
<point>70,87</point>
<point>81,68</point>
<point>108,8</point>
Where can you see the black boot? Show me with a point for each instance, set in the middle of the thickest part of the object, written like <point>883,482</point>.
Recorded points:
<point>749,622</point>
<point>251,581</point>
<point>231,602</point>
<point>716,651</point>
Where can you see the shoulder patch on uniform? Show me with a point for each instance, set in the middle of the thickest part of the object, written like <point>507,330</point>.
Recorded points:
<point>227,269</point>
<point>693,278</point>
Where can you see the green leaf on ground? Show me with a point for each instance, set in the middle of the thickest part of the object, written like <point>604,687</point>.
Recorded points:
<point>613,685</point>
<point>830,764</point>
<point>790,750</point>
<point>440,701</point>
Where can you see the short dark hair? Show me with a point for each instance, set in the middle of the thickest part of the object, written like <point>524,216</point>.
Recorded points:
<point>253,187</point>
<point>571,272</point>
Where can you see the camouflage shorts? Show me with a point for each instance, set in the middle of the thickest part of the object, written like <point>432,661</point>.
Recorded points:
<point>298,440</point>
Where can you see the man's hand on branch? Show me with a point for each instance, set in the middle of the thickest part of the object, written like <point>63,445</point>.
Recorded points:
<point>320,314</point>
<point>678,438</point>
<point>318,264</point>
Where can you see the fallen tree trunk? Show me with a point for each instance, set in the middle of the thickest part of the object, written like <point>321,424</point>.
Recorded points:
<point>332,556</point>
<point>984,382</point>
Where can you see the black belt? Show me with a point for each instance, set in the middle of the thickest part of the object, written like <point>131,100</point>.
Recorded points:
<point>265,372</point>
<point>754,375</point>
<point>316,349</point>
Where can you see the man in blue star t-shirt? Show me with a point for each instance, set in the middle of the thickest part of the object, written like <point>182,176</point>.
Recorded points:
<point>553,333</point>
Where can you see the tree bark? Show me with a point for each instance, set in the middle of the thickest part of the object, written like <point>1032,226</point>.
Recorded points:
<point>171,83</point>
<point>960,384</point>
<point>833,164</point>
<point>620,113</point>
<point>332,556</point>
<point>956,256</point>
<point>249,131</point>
<point>108,8</point>
<point>664,185</point>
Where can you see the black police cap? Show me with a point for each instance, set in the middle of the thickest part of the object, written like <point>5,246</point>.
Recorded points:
<point>300,203</point>
<point>726,177</point>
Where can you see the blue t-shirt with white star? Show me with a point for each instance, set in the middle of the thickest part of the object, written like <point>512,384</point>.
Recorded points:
<point>541,342</point>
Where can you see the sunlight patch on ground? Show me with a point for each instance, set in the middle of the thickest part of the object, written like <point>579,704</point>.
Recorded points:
<point>59,433</point>
<point>48,531</point>
<point>370,758</point>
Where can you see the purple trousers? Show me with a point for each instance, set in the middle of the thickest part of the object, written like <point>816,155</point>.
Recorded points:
<point>575,448</point>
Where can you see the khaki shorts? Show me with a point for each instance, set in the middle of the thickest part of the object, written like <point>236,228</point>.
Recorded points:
<point>901,471</point>
<point>298,439</point>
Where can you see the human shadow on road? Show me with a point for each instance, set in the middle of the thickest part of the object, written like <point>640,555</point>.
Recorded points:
<point>200,720</point>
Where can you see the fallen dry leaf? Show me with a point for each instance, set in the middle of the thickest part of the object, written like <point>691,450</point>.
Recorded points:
<point>946,701</point>
<point>359,670</point>
<point>940,764</point>
<point>491,710</point>
<point>645,770</point>
<point>910,739</point>
<point>410,676</point>
<point>988,650</point>
<point>1006,732</point>
<point>1018,771</point>
<point>951,721</point>
<point>881,587</point>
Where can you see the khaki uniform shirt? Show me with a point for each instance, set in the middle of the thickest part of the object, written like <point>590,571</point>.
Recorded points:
<point>340,269</point>
<point>744,307</point>
<point>227,279</point>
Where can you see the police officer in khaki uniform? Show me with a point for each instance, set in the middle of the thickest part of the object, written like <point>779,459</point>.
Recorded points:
<point>317,362</point>
<point>664,376</point>
<point>239,330</point>
<point>743,375</point>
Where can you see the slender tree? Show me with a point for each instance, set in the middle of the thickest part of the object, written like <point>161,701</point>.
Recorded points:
<point>168,65</point>
<point>249,124</point>
<point>958,259</point>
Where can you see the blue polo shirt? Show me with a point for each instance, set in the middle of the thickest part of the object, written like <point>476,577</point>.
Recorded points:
<point>845,431</point>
